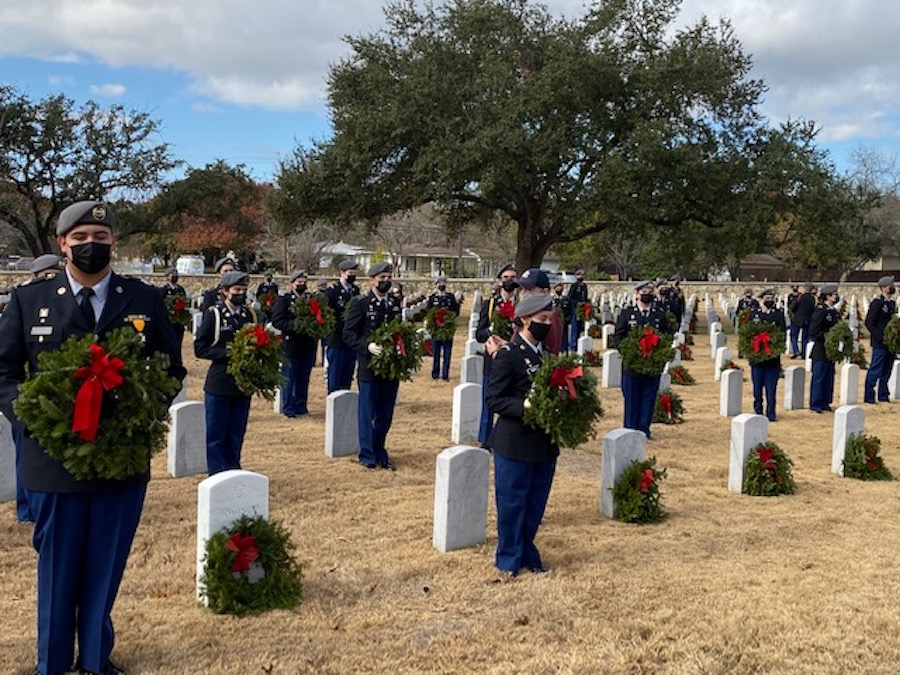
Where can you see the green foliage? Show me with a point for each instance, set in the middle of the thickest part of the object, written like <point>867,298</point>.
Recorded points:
<point>636,497</point>
<point>669,408</point>
<point>680,375</point>
<point>686,353</point>
<point>862,459</point>
<point>859,358</point>
<point>402,353</point>
<point>585,311</point>
<point>646,351</point>
<point>254,361</point>
<point>839,342</point>
<point>892,335</point>
<point>133,416</point>
<point>760,341</point>
<point>568,421</point>
<point>447,320</point>
<point>275,580</point>
<point>502,319</point>
<point>767,472</point>
<point>179,310</point>
<point>312,315</point>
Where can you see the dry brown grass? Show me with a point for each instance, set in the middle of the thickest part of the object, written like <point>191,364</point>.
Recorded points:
<point>802,584</point>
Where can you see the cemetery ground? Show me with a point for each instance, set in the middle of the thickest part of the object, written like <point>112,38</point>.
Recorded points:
<point>727,584</point>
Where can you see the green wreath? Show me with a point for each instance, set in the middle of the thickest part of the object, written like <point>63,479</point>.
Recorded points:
<point>402,353</point>
<point>595,332</point>
<point>686,353</point>
<point>267,301</point>
<point>563,401</point>
<point>892,335</point>
<point>669,408</point>
<point>767,472</point>
<point>646,351</point>
<point>585,311</point>
<point>859,357</point>
<point>680,375</point>
<point>636,497</point>
<point>179,310</point>
<point>249,568</point>
<point>592,359</point>
<point>862,459</point>
<point>254,361</point>
<point>760,341</point>
<point>133,415</point>
<point>839,342</point>
<point>441,324</point>
<point>312,315</point>
<point>502,319</point>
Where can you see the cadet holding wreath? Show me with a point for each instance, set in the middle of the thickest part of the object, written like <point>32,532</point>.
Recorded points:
<point>762,342</point>
<point>824,318</point>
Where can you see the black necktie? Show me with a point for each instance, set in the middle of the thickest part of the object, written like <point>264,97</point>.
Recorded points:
<point>84,301</point>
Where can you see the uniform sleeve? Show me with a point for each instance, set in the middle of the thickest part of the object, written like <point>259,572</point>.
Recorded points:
<point>502,396</point>
<point>872,314</point>
<point>817,324</point>
<point>483,332</point>
<point>167,340</point>
<point>203,343</point>
<point>454,305</point>
<point>13,355</point>
<point>355,325</point>
<point>281,314</point>
<point>621,331</point>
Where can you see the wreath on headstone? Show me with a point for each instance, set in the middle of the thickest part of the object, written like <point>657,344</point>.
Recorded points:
<point>313,316</point>
<point>403,350</point>
<point>686,353</point>
<point>102,408</point>
<point>767,472</point>
<point>563,401</point>
<point>669,409</point>
<point>760,341</point>
<point>680,375</point>
<point>862,459</point>
<point>645,351</point>
<point>249,568</point>
<point>502,319</point>
<point>592,359</point>
<point>585,311</point>
<point>441,324</point>
<point>859,357</point>
<point>892,336</point>
<point>636,497</point>
<point>839,342</point>
<point>595,332</point>
<point>179,312</point>
<point>254,361</point>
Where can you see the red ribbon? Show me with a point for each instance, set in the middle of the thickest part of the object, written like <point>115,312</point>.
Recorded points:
<point>564,378</point>
<point>439,317</point>
<point>586,311</point>
<point>246,550</point>
<point>646,480</point>
<point>103,374</point>
<point>507,310</point>
<point>262,337</point>
<point>269,300</point>
<point>399,345</point>
<point>316,310</point>
<point>761,341</point>
<point>647,342</point>
<point>179,305</point>
<point>765,457</point>
<point>666,401</point>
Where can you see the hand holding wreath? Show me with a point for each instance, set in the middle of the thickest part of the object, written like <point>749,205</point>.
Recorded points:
<point>441,324</point>
<point>179,314</point>
<point>400,353</point>
<point>839,342</point>
<point>254,361</point>
<point>760,341</point>
<point>312,315</point>
<point>645,351</point>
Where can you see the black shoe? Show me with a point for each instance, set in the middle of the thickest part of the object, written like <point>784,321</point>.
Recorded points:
<point>387,465</point>
<point>368,466</point>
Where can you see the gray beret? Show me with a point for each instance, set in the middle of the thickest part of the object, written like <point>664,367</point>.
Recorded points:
<point>643,284</point>
<point>766,291</point>
<point>224,261</point>
<point>379,268</point>
<point>828,289</point>
<point>534,278</point>
<point>297,274</point>
<point>170,271</point>
<point>441,280</point>
<point>234,278</point>
<point>321,283</point>
<point>886,280</point>
<point>348,265</point>
<point>85,213</point>
<point>48,261</point>
<point>532,304</point>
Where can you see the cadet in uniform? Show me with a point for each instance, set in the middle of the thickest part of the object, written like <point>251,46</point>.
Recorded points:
<point>83,528</point>
<point>341,357</point>
<point>267,287</point>
<point>801,312</point>
<point>227,407</point>
<point>377,395</point>
<point>881,311</point>
<point>524,457</point>
<point>170,288</point>
<point>562,304</point>
<point>578,292</point>
<point>765,374</point>
<point>639,391</point>
<point>824,317</point>
<point>213,295</point>
<point>442,349</point>
<point>44,266</point>
<point>747,302</point>
<point>300,349</point>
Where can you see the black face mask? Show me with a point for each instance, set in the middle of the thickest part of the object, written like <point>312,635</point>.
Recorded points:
<point>442,287</point>
<point>351,279</point>
<point>300,288</point>
<point>174,280</point>
<point>646,298</point>
<point>92,257</point>
<point>238,299</point>
<point>768,304</point>
<point>892,290</point>
<point>509,285</point>
<point>539,330</point>
<point>384,286</point>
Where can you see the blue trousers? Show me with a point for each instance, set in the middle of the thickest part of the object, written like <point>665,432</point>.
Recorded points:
<point>441,350</point>
<point>296,388</point>
<point>821,386</point>
<point>486,424</point>
<point>798,346</point>
<point>521,490</point>
<point>765,379</point>
<point>341,363</point>
<point>575,330</point>
<point>226,424</point>
<point>82,541</point>
<point>879,372</point>
<point>639,392</point>
<point>375,414</point>
<point>23,509</point>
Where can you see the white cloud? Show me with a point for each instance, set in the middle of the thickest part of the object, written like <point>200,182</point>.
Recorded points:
<point>107,90</point>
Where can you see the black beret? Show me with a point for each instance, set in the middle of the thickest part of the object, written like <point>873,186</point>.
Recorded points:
<point>85,213</point>
<point>766,291</point>
<point>234,278</point>
<point>534,278</point>
<point>532,304</point>
<point>506,268</point>
<point>348,265</point>
<point>379,268</point>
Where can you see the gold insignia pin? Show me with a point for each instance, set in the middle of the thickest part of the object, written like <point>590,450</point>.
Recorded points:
<point>138,325</point>
<point>99,213</point>
<point>118,289</point>
<point>61,290</point>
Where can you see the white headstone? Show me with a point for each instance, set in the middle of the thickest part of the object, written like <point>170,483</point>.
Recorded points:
<point>611,378</point>
<point>730,393</point>
<point>894,382</point>
<point>808,364</point>
<point>679,339</point>
<point>472,369</point>
<point>621,447</point>
<point>716,342</point>
<point>181,396</point>
<point>7,461</point>
<point>665,382</point>
<point>186,444</point>
<point>714,327</point>
<point>723,356</point>
<point>849,384</point>
<point>461,482</point>
<point>585,344</point>
<point>466,413</point>
<point>794,387</point>
<point>278,403</point>
<point>222,499</point>
<point>747,431</point>
<point>848,420</point>
<point>341,424</point>
<point>606,334</point>
<point>473,346</point>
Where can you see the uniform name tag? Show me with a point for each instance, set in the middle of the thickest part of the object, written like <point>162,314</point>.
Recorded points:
<point>42,330</point>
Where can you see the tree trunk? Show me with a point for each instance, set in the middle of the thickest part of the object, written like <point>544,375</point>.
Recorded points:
<point>530,246</point>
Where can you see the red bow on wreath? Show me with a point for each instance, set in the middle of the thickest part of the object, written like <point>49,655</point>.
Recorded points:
<point>564,378</point>
<point>316,310</point>
<point>246,550</point>
<point>761,342</point>
<point>178,305</point>
<point>666,402</point>
<point>586,311</point>
<point>102,375</point>
<point>507,310</point>
<point>765,458</point>
<point>262,337</point>
<point>647,342</point>
<point>646,480</point>
<point>439,317</point>
<point>399,345</point>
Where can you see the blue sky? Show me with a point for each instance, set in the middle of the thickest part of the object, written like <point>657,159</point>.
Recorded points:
<point>245,82</point>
